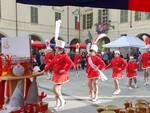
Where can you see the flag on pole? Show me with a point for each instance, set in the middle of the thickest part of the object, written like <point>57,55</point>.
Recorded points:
<point>77,22</point>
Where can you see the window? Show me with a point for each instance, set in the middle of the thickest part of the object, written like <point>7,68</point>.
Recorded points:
<point>57,16</point>
<point>34,15</point>
<point>147,15</point>
<point>123,16</point>
<point>89,20</point>
<point>84,21</point>
<point>103,16</point>
<point>137,16</point>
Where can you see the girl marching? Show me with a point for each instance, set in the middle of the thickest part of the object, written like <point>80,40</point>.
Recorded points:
<point>60,64</point>
<point>118,64</point>
<point>94,64</point>
<point>145,59</point>
<point>77,59</point>
<point>131,72</point>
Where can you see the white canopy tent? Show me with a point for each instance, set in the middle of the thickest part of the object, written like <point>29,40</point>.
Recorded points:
<point>126,41</point>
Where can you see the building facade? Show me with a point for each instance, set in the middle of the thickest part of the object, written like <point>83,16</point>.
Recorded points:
<point>77,23</point>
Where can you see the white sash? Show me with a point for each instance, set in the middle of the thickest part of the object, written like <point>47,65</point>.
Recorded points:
<point>103,77</point>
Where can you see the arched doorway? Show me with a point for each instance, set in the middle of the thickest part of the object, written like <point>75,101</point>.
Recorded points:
<point>74,41</point>
<point>103,41</point>
<point>72,50</point>
<point>36,37</point>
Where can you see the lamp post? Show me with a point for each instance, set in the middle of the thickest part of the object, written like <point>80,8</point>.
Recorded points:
<point>16,7</point>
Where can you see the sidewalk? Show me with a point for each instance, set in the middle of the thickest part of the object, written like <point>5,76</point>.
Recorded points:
<point>76,93</point>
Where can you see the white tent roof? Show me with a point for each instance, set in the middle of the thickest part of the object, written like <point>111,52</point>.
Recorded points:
<point>126,41</point>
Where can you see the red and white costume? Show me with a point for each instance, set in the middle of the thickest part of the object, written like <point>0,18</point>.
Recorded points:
<point>60,62</point>
<point>98,62</point>
<point>145,59</point>
<point>48,57</point>
<point>77,59</point>
<point>118,64</point>
<point>131,69</point>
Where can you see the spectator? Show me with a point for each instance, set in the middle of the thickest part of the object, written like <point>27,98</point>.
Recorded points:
<point>83,61</point>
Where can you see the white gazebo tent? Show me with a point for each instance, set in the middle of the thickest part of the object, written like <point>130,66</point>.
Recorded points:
<point>126,41</point>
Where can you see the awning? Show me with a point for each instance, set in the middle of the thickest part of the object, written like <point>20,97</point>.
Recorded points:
<point>126,41</point>
<point>138,5</point>
<point>38,45</point>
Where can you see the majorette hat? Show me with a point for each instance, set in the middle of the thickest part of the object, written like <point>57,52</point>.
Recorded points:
<point>60,43</point>
<point>117,52</point>
<point>94,45</point>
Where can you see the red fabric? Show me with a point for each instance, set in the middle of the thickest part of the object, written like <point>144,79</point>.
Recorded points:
<point>139,5</point>
<point>7,67</point>
<point>145,59</point>
<point>131,69</point>
<point>38,44</point>
<point>48,57</point>
<point>1,65</point>
<point>60,62</point>
<point>77,59</point>
<point>118,64</point>
<point>91,73</point>
<point>2,89</point>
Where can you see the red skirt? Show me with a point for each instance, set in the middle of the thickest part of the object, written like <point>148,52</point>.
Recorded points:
<point>93,76</point>
<point>146,65</point>
<point>60,78</point>
<point>117,75</point>
<point>131,75</point>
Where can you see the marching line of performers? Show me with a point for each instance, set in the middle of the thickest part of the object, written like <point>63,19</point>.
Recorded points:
<point>61,64</point>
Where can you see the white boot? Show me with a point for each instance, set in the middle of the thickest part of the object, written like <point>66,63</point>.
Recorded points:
<point>117,92</point>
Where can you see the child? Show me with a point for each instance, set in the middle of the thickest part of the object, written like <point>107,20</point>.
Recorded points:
<point>118,65</point>
<point>60,64</point>
<point>145,59</point>
<point>77,62</point>
<point>132,66</point>
<point>94,64</point>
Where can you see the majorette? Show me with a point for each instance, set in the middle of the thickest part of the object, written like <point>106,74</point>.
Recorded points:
<point>118,65</point>
<point>94,65</point>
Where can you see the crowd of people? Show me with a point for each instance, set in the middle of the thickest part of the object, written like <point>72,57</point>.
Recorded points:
<point>60,63</point>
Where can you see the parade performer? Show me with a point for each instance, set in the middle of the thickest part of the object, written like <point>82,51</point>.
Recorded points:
<point>118,64</point>
<point>94,64</point>
<point>49,55</point>
<point>145,60</point>
<point>77,60</point>
<point>60,64</point>
<point>131,69</point>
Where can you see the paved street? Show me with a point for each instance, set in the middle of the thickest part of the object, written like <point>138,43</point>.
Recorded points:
<point>76,93</point>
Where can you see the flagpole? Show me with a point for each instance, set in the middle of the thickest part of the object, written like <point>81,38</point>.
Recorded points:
<point>68,24</point>
<point>80,22</point>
